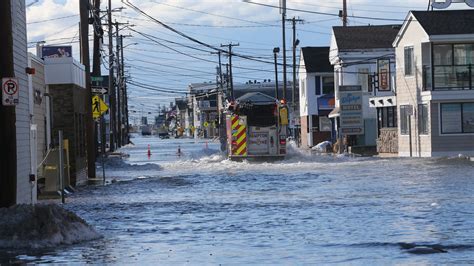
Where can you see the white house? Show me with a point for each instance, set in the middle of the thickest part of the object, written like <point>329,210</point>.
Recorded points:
<point>355,52</point>
<point>435,91</point>
<point>316,95</point>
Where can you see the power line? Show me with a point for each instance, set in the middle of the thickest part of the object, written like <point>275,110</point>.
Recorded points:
<point>51,19</point>
<point>321,13</point>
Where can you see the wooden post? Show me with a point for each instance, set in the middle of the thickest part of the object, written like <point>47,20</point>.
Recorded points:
<point>8,163</point>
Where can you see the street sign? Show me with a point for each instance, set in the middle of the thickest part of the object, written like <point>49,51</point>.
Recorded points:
<point>350,102</point>
<point>98,79</point>
<point>98,107</point>
<point>99,90</point>
<point>10,91</point>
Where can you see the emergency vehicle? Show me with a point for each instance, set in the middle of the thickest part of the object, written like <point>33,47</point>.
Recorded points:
<point>256,126</point>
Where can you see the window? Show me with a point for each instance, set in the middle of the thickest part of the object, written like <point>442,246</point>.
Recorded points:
<point>387,117</point>
<point>423,119</point>
<point>457,118</point>
<point>452,66</point>
<point>363,79</point>
<point>463,54</point>
<point>318,85</point>
<point>409,61</point>
<point>405,112</point>
<point>443,55</point>
<point>451,118</point>
<point>328,85</point>
<point>303,88</point>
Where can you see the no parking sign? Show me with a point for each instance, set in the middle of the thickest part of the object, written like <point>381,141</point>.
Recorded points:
<point>10,91</point>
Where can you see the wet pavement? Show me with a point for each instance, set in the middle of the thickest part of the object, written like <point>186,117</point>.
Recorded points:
<point>199,208</point>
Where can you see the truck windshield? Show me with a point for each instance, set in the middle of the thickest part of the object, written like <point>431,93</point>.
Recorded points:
<point>260,115</point>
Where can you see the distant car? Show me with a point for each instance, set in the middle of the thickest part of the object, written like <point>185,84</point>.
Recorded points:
<point>164,135</point>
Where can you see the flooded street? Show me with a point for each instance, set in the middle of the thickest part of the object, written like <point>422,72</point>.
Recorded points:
<point>199,208</point>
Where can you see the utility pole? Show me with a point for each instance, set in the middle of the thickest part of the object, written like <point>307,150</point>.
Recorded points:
<point>276,50</point>
<point>85,60</point>
<point>124,91</point>
<point>219,68</point>
<point>96,66</point>
<point>119,86</point>
<point>8,157</point>
<point>227,78</point>
<point>111,82</point>
<point>343,14</point>
<point>231,79</point>
<point>295,43</point>
<point>283,21</point>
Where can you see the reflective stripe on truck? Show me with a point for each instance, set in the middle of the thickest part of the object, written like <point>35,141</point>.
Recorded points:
<point>239,136</point>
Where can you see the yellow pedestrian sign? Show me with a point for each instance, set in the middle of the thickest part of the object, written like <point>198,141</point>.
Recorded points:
<point>98,107</point>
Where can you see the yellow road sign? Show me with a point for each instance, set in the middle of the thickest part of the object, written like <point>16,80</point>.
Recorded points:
<point>98,107</point>
<point>206,124</point>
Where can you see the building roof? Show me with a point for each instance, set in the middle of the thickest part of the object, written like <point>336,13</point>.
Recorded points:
<point>256,98</point>
<point>446,22</point>
<point>365,37</point>
<point>316,59</point>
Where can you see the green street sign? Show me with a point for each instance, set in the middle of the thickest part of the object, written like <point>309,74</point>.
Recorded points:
<point>97,79</point>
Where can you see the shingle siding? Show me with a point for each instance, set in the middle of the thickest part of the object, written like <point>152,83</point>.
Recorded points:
<point>22,109</point>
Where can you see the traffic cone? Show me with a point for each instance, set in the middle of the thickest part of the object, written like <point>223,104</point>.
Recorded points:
<point>149,151</point>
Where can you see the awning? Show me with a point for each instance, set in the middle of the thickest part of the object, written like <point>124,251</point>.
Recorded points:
<point>334,113</point>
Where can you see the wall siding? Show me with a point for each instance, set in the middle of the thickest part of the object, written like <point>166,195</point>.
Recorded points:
<point>20,60</point>
<point>449,144</point>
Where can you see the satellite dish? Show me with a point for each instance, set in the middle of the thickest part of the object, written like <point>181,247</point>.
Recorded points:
<point>440,4</point>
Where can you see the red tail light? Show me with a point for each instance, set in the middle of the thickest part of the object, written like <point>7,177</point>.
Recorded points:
<point>282,141</point>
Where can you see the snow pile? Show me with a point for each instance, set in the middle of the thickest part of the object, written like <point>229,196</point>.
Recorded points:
<point>39,226</point>
<point>324,146</point>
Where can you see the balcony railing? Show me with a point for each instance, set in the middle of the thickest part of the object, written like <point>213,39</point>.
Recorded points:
<point>448,78</point>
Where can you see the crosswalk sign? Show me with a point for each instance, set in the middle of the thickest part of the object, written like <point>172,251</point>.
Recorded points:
<point>98,107</point>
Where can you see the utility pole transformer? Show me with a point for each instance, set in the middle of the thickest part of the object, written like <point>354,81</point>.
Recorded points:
<point>8,158</point>
<point>85,60</point>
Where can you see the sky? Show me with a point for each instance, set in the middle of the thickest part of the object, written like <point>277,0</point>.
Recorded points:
<point>157,57</point>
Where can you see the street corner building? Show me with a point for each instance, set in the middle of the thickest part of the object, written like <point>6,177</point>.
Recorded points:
<point>364,63</point>
<point>25,190</point>
<point>316,96</point>
<point>435,93</point>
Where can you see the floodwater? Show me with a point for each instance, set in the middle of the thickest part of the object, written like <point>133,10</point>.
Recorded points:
<point>199,208</point>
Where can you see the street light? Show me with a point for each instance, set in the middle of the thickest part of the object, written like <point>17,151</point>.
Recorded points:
<point>276,50</point>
